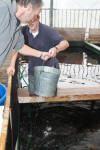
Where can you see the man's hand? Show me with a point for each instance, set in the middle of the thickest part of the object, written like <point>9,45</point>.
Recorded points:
<point>52,52</point>
<point>45,56</point>
<point>11,69</point>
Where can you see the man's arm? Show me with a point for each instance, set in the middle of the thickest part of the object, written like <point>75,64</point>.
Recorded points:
<point>63,45</point>
<point>25,50</point>
<point>11,68</point>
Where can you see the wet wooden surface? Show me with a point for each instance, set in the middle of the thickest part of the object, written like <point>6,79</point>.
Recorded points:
<point>3,72</point>
<point>94,36</point>
<point>7,82</point>
<point>66,94</point>
<point>78,34</point>
<point>73,34</point>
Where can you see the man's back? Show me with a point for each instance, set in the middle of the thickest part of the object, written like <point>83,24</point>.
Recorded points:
<point>8,29</point>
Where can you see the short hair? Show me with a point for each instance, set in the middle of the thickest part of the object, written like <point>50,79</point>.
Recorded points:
<point>33,2</point>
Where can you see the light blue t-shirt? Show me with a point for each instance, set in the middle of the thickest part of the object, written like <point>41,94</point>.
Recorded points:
<point>10,29</point>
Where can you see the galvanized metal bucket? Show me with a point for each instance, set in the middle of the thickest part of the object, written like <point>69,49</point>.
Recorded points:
<point>45,80</point>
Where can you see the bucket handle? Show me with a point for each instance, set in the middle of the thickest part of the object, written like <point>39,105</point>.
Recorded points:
<point>52,62</point>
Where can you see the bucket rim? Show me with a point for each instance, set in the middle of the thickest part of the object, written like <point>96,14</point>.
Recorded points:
<point>47,69</point>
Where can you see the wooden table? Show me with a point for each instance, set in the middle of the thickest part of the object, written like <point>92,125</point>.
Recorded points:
<point>66,94</point>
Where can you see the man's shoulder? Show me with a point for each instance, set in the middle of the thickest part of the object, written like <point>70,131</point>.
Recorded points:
<point>46,27</point>
<point>5,7</point>
<point>4,14</point>
<point>5,3</point>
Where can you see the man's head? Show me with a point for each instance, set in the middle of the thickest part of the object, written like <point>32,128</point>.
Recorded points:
<point>34,24</point>
<point>28,9</point>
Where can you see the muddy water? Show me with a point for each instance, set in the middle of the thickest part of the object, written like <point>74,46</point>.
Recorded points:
<point>62,126</point>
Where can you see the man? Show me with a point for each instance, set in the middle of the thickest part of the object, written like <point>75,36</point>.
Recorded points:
<point>46,39</point>
<point>12,12</point>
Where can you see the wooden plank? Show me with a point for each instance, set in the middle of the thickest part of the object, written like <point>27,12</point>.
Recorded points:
<point>3,71</point>
<point>73,34</point>
<point>67,94</point>
<point>94,36</point>
<point>6,116</point>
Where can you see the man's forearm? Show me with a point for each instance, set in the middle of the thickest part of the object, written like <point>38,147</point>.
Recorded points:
<point>26,50</point>
<point>14,55</point>
<point>62,46</point>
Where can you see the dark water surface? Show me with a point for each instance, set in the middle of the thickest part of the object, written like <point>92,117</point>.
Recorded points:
<point>62,126</point>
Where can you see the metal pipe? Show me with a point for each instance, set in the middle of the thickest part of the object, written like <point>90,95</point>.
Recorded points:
<point>51,13</point>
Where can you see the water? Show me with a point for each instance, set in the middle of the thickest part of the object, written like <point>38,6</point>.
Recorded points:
<point>61,126</point>
<point>65,125</point>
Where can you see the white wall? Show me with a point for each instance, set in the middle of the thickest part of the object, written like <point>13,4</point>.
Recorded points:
<point>75,4</point>
<point>73,18</point>
<point>46,3</point>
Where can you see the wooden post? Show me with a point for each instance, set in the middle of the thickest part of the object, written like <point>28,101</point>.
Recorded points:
<point>6,115</point>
